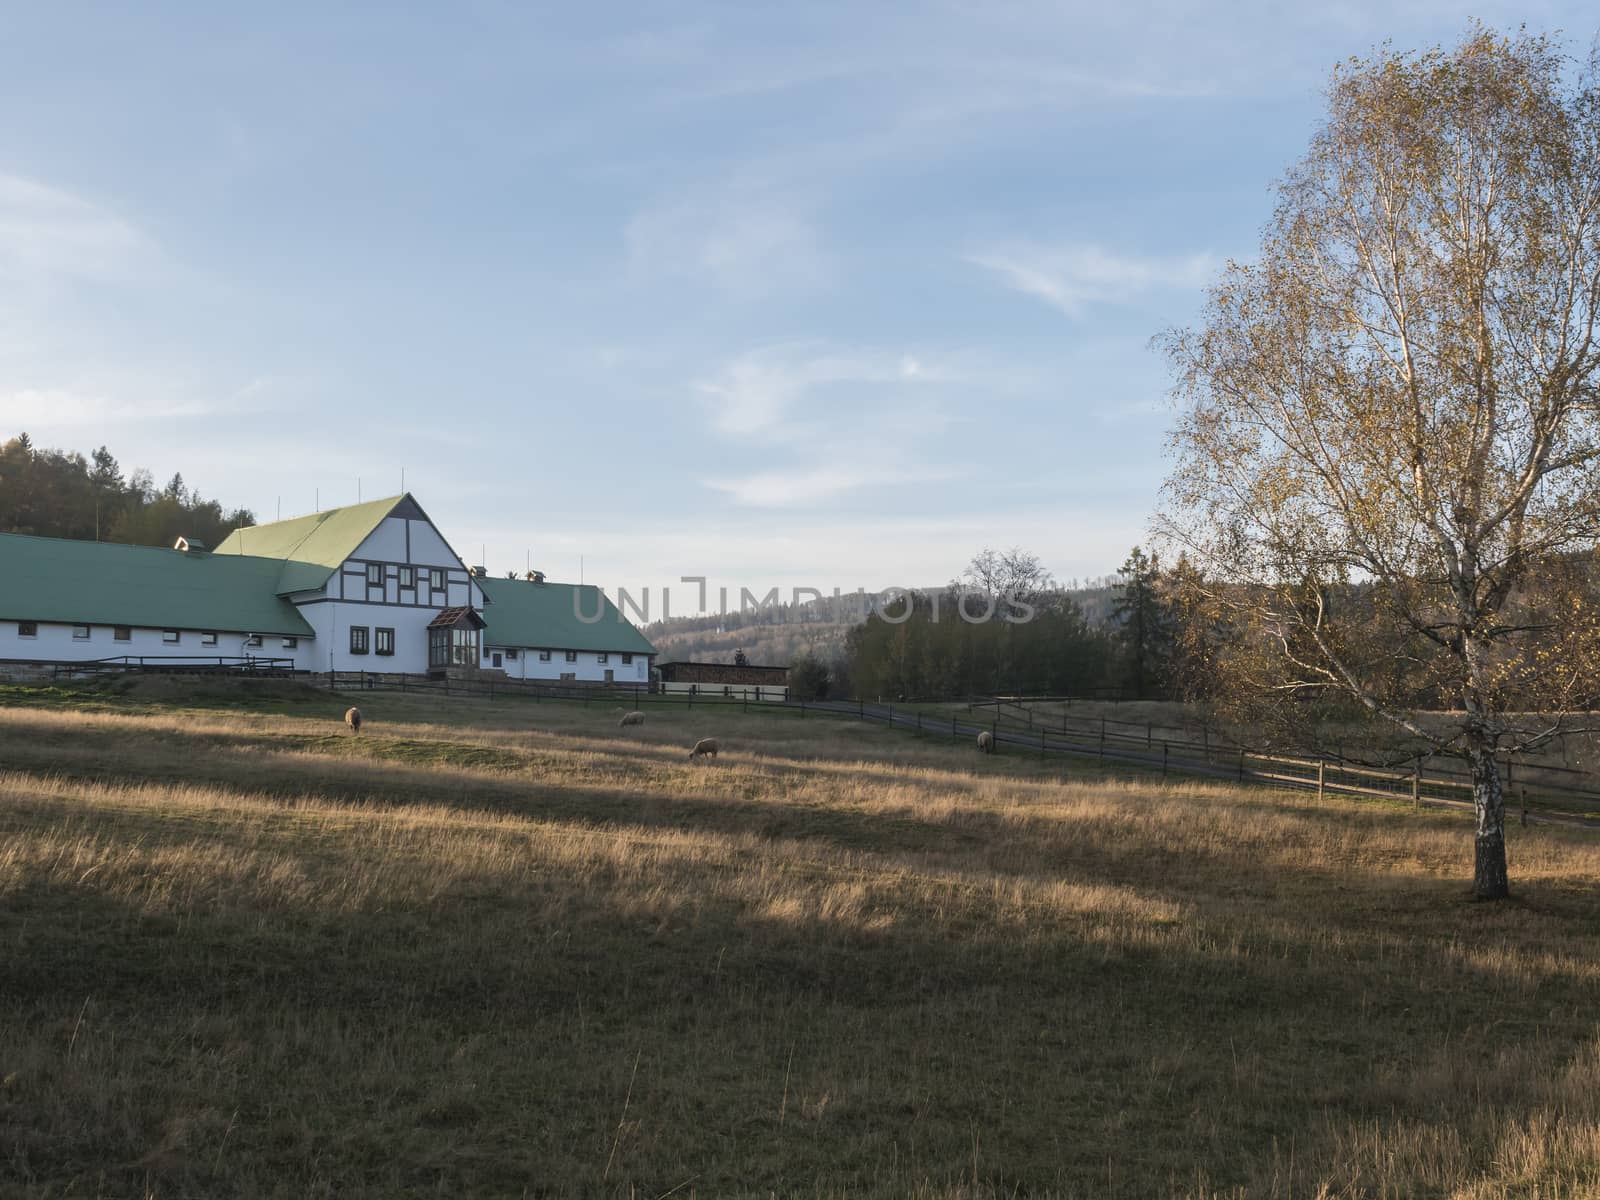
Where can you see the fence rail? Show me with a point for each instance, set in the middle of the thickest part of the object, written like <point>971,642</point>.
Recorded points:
<point>1100,740</point>
<point>1537,777</point>
<point>1103,741</point>
<point>187,664</point>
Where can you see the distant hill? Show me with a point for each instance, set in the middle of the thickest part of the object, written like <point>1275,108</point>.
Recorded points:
<point>777,636</point>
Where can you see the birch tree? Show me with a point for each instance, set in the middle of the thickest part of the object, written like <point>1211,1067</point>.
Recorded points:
<point>1387,437</point>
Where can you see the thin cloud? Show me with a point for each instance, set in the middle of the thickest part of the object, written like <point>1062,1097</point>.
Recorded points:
<point>746,248</point>
<point>1077,277</point>
<point>765,393</point>
<point>46,231</point>
<point>800,488</point>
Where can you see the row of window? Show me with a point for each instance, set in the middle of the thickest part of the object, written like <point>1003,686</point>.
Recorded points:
<point>572,656</point>
<point>408,576</point>
<point>124,633</point>
<point>380,640</point>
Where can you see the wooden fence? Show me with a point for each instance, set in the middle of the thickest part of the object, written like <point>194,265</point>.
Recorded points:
<point>1101,740</point>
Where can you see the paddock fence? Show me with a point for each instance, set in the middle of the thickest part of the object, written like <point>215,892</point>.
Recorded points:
<point>1551,795</point>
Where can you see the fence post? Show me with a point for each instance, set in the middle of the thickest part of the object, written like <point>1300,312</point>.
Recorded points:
<point>1149,735</point>
<point>1102,739</point>
<point>1524,804</point>
<point>1416,783</point>
<point>1321,772</point>
<point>1042,747</point>
<point>1164,746</point>
<point>1241,766</point>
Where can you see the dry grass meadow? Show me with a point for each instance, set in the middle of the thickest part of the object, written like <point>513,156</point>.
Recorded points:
<point>508,950</point>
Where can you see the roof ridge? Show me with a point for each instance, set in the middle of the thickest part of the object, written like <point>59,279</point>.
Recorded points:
<point>322,514</point>
<point>140,546</point>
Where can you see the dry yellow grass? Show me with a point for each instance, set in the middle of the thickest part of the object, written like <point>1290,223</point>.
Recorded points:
<point>502,950</point>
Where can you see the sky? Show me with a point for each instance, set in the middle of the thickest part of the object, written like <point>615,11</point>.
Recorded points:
<point>783,295</point>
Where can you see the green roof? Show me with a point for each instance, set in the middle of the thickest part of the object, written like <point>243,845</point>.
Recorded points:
<point>543,616</point>
<point>105,583</point>
<point>311,548</point>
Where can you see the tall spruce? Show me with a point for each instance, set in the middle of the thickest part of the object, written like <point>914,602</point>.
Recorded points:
<point>1143,624</point>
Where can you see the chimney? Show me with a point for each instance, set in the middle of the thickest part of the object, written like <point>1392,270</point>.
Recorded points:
<point>480,572</point>
<point>535,576</point>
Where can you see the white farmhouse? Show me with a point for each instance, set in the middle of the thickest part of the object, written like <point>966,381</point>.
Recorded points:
<point>371,587</point>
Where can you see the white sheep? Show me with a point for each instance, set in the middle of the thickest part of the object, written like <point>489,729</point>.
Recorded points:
<point>632,718</point>
<point>352,718</point>
<point>704,748</point>
<point>986,742</point>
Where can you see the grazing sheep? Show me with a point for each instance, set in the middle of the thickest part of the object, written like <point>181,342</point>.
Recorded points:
<point>353,719</point>
<point>633,718</point>
<point>986,742</point>
<point>703,748</point>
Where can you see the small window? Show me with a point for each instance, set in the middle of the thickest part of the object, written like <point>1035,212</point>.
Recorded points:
<point>122,633</point>
<point>627,660</point>
<point>290,643</point>
<point>572,656</point>
<point>374,574</point>
<point>80,633</point>
<point>544,655</point>
<point>602,657</point>
<point>497,660</point>
<point>384,639</point>
<point>511,656</point>
<point>569,675</point>
<point>253,641</point>
<point>408,577</point>
<point>436,579</point>
<point>27,629</point>
<point>610,677</point>
<point>210,639</point>
<point>171,637</point>
<point>358,639</point>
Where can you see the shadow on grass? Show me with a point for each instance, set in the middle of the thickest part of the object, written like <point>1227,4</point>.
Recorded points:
<point>486,1042</point>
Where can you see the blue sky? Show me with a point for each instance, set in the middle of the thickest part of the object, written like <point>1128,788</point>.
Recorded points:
<point>823,294</point>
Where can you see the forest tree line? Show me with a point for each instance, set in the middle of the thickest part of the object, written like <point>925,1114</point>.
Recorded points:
<point>1004,627</point>
<point>55,493</point>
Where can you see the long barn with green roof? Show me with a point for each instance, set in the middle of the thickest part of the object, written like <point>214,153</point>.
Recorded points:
<point>371,586</point>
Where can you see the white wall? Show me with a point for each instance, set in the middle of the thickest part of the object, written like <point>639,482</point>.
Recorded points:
<point>349,600</point>
<point>55,643</point>
<point>733,691</point>
<point>398,542</point>
<point>588,668</point>
<point>332,620</point>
